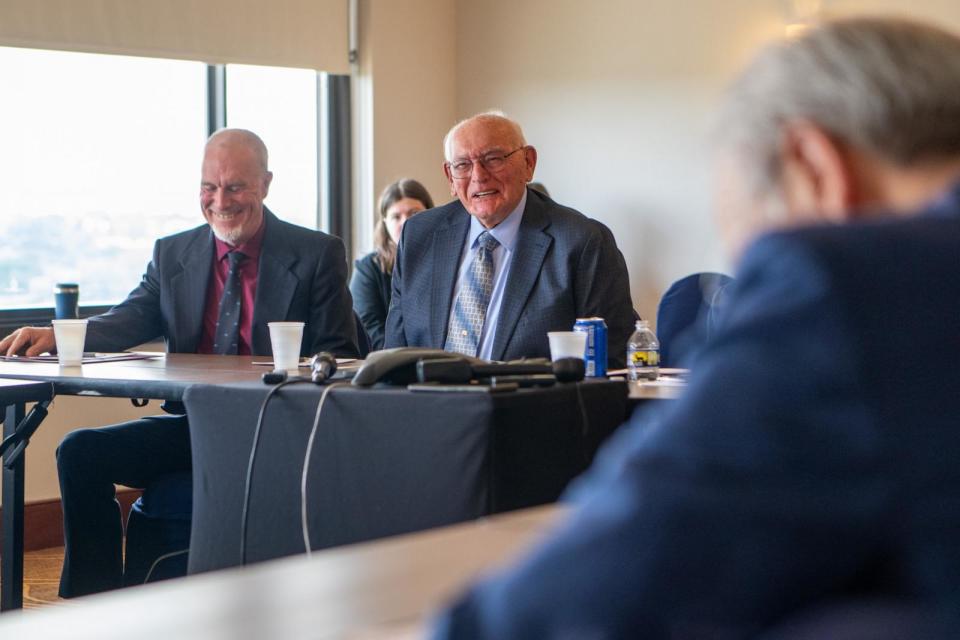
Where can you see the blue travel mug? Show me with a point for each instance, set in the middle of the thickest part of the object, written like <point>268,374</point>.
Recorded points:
<point>66,298</point>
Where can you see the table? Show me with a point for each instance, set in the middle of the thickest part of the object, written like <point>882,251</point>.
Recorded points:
<point>386,461</point>
<point>164,377</point>
<point>14,394</point>
<point>376,588</point>
<point>664,389</point>
<point>167,377</point>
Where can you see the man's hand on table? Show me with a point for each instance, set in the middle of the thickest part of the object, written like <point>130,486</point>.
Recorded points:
<point>28,341</point>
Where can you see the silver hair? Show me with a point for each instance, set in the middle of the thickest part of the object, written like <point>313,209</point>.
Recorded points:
<point>494,116</point>
<point>247,138</point>
<point>887,86</point>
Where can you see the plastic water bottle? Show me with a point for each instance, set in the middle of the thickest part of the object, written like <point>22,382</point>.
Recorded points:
<point>643,353</point>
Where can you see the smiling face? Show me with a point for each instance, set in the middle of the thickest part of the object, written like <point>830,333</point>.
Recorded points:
<point>234,182</point>
<point>489,196</point>
<point>398,213</point>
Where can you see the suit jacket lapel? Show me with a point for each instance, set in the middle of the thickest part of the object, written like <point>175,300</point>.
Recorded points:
<point>276,283</point>
<point>531,250</point>
<point>447,247</point>
<point>189,291</point>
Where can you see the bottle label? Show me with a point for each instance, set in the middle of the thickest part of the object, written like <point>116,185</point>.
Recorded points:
<point>645,358</point>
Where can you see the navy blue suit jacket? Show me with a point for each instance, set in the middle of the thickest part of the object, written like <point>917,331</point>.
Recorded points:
<point>565,266</point>
<point>302,277</point>
<point>814,456</point>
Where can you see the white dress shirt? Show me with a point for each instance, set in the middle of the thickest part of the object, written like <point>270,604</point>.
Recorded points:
<point>506,235</point>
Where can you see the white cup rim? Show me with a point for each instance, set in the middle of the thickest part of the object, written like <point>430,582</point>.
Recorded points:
<point>69,321</point>
<point>567,344</point>
<point>285,324</point>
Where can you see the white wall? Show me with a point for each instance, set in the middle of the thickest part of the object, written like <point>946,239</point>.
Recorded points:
<point>946,13</point>
<point>617,97</point>
<point>405,100</point>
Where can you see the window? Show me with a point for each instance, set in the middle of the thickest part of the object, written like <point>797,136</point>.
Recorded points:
<point>101,157</point>
<point>280,105</point>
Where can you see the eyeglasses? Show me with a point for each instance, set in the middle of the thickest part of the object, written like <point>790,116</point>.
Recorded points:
<point>491,162</point>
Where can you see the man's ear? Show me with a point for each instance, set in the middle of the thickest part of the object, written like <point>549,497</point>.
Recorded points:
<point>530,158</point>
<point>819,181</point>
<point>267,179</point>
<point>446,172</point>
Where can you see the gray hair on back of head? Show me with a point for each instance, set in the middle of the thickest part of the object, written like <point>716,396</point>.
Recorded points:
<point>495,116</point>
<point>887,86</point>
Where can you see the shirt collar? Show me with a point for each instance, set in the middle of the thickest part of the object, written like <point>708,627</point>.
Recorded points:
<point>250,248</point>
<point>506,231</point>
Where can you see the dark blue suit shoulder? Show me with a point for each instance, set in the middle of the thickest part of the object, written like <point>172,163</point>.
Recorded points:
<point>436,217</point>
<point>200,231</point>
<point>301,235</point>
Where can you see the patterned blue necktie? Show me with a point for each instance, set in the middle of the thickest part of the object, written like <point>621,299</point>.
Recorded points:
<point>228,320</point>
<point>470,309</point>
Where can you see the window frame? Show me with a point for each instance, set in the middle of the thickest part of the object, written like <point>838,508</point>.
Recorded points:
<point>12,319</point>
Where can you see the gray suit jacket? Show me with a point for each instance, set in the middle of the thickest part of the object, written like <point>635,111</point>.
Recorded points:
<point>566,266</point>
<point>302,277</point>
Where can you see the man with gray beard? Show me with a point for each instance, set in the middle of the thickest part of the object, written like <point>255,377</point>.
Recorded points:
<point>212,290</point>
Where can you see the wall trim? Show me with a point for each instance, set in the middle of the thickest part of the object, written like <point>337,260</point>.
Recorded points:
<point>43,520</point>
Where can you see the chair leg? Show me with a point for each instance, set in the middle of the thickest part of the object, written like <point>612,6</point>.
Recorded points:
<point>160,559</point>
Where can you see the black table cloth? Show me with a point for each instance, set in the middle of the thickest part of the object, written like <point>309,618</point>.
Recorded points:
<point>385,461</point>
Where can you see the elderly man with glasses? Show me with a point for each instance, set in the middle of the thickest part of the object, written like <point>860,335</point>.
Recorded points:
<point>492,272</point>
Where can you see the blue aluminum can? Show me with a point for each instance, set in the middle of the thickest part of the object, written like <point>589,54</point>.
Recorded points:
<point>596,356</point>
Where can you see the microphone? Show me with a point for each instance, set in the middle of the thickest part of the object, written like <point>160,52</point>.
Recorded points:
<point>564,369</point>
<point>456,369</point>
<point>322,367</point>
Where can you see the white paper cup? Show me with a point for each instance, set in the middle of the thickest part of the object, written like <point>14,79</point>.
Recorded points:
<point>285,339</point>
<point>70,336</point>
<point>567,344</point>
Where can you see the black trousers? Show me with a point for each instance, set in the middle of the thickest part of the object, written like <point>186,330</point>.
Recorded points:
<point>90,462</point>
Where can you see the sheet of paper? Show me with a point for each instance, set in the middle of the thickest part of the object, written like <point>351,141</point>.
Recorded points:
<point>304,362</point>
<point>88,358</point>
<point>664,371</point>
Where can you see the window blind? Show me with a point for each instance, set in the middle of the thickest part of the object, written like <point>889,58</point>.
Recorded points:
<point>311,34</point>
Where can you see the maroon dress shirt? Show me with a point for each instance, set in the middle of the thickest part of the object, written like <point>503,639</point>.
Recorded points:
<point>248,283</point>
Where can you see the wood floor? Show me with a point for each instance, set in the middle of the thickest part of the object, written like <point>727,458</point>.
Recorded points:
<point>43,525</point>
<point>41,577</point>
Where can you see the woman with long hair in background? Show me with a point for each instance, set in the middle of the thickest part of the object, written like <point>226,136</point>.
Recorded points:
<point>370,284</point>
